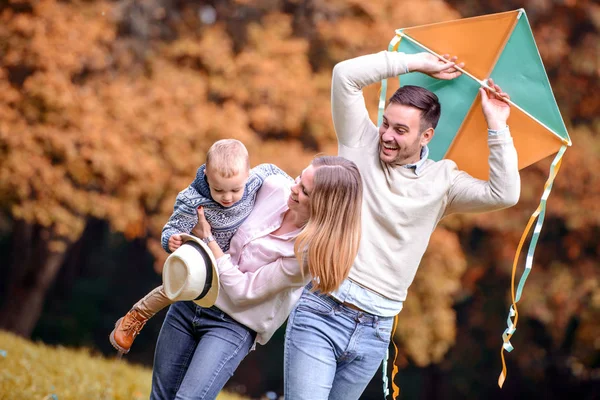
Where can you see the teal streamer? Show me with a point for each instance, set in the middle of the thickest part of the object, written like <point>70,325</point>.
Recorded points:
<point>386,389</point>
<point>511,328</point>
<point>382,97</point>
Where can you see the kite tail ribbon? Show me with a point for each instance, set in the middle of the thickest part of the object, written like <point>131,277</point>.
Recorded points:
<point>393,46</point>
<point>539,213</point>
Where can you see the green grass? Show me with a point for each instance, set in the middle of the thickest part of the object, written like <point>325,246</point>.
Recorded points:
<point>41,372</point>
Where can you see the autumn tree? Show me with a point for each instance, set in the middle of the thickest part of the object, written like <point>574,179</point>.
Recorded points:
<point>107,109</point>
<point>95,125</point>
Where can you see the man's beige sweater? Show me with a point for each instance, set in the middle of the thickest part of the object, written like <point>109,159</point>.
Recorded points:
<point>400,208</point>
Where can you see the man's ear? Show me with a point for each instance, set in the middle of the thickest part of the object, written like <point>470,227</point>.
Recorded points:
<point>426,136</point>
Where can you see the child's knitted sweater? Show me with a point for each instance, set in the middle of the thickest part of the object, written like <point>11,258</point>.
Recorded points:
<point>223,220</point>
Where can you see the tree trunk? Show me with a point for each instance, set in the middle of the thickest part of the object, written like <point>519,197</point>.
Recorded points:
<point>34,266</point>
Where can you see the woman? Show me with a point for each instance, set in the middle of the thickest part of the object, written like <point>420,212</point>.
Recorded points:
<point>314,223</point>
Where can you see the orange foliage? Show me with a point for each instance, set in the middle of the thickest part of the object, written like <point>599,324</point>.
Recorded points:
<point>426,325</point>
<point>106,113</point>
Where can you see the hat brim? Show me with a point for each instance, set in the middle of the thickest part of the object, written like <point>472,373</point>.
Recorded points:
<point>209,299</point>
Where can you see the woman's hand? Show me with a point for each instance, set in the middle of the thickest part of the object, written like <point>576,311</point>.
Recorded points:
<point>202,228</point>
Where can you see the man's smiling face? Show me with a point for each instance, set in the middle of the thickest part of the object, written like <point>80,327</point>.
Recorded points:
<point>400,135</point>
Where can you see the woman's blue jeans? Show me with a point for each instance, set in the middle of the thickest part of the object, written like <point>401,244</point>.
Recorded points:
<point>198,350</point>
<point>332,351</point>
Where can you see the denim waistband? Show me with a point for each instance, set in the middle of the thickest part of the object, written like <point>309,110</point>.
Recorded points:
<point>195,307</point>
<point>360,316</point>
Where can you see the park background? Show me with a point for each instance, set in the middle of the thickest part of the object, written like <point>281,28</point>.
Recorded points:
<point>108,107</point>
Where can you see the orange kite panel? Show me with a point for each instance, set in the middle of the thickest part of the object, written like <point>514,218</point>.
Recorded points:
<point>532,141</point>
<point>479,40</point>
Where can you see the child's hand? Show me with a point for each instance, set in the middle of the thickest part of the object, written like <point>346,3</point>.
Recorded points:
<point>202,228</point>
<point>175,242</point>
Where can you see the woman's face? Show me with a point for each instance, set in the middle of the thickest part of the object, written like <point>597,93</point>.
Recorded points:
<point>299,200</point>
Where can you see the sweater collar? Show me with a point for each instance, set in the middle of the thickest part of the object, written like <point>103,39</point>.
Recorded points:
<point>419,164</point>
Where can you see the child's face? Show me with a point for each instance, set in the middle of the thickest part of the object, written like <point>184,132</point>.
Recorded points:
<point>226,191</point>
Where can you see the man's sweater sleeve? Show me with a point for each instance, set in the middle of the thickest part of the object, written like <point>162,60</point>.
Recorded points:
<point>503,188</point>
<point>350,116</point>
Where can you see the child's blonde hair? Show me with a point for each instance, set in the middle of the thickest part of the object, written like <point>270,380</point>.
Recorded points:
<point>228,157</point>
<point>329,241</point>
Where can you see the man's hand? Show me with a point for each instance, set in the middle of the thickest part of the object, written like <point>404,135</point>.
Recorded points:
<point>496,108</point>
<point>175,242</point>
<point>433,66</point>
<point>202,228</point>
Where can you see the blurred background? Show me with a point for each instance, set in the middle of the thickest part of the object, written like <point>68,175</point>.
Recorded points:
<point>108,107</point>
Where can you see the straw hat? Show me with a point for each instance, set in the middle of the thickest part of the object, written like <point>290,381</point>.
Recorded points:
<point>190,273</point>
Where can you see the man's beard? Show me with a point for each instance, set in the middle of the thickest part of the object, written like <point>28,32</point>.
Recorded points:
<point>402,154</point>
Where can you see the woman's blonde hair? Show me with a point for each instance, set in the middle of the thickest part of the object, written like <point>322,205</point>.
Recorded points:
<point>329,241</point>
<point>227,157</point>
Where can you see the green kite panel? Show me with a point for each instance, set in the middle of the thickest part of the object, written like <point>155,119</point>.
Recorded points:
<point>520,72</point>
<point>456,101</point>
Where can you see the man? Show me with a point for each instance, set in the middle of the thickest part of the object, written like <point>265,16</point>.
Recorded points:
<point>335,343</point>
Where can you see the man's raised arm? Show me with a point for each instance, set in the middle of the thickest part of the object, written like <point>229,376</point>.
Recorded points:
<point>504,185</point>
<point>350,116</point>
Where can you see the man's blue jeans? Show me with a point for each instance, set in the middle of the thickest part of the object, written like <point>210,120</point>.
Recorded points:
<point>198,350</point>
<point>332,351</point>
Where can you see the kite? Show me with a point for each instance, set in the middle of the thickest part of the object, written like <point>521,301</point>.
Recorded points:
<point>502,47</point>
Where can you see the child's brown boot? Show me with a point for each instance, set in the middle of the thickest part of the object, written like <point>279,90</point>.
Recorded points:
<point>126,329</point>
